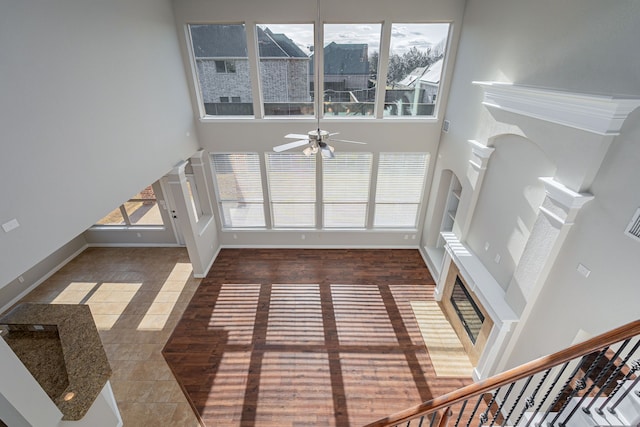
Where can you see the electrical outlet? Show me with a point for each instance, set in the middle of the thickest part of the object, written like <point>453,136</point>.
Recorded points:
<point>497,258</point>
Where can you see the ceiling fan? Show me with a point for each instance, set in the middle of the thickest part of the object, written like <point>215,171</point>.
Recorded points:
<point>317,139</point>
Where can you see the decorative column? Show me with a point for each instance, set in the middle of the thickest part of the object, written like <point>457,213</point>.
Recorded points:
<point>475,174</point>
<point>555,218</point>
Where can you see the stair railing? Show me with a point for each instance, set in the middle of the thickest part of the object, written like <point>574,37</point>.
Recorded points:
<point>595,375</point>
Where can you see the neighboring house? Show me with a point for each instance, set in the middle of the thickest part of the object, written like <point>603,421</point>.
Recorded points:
<point>417,91</point>
<point>346,72</point>
<point>223,68</point>
<point>425,80</point>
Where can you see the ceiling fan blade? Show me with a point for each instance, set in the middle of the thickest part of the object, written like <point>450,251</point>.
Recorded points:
<point>334,133</point>
<point>350,142</point>
<point>290,145</point>
<point>296,136</point>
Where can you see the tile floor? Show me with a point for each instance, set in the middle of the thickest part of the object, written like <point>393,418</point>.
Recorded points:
<point>137,296</point>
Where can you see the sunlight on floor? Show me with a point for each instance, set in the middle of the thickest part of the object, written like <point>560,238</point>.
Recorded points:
<point>445,349</point>
<point>157,315</point>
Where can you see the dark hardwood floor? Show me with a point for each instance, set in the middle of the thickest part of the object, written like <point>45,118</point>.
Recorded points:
<point>306,338</point>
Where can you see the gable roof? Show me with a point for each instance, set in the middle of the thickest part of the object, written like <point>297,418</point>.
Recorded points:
<point>230,41</point>
<point>345,59</point>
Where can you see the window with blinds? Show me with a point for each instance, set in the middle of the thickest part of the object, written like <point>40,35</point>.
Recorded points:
<point>399,189</point>
<point>345,190</point>
<point>292,189</point>
<point>239,187</point>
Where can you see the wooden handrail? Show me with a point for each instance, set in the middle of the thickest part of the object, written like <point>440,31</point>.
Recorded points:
<point>523,371</point>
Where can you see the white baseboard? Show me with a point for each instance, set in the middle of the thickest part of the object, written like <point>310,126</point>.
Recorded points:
<point>135,245</point>
<point>43,278</point>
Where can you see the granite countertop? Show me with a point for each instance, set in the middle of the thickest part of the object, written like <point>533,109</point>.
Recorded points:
<point>81,352</point>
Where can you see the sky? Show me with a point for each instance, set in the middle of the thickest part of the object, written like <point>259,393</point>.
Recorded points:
<point>403,36</point>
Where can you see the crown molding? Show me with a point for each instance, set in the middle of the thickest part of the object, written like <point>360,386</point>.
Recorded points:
<point>603,115</point>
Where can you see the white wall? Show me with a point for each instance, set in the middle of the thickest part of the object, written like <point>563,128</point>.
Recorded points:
<point>94,107</point>
<point>576,45</point>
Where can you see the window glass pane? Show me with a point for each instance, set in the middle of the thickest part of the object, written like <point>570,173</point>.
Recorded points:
<point>345,187</point>
<point>191,186</point>
<point>399,189</point>
<point>285,70</point>
<point>350,68</point>
<point>292,188</point>
<point>222,65</point>
<point>239,187</point>
<point>416,58</point>
<point>114,218</point>
<point>142,209</point>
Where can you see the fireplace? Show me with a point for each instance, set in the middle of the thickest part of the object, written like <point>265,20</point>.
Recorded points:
<point>468,311</point>
<point>465,312</point>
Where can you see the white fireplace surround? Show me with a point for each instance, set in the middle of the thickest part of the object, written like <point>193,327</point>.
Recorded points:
<point>492,297</point>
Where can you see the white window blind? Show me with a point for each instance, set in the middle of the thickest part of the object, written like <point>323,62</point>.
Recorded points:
<point>399,189</point>
<point>292,189</point>
<point>345,190</point>
<point>239,188</point>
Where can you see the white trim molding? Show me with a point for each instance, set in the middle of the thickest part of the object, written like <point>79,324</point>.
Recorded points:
<point>599,114</point>
<point>481,153</point>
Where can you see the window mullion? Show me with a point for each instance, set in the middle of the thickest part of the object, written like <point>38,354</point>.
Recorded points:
<point>268,203</point>
<point>319,193</point>
<point>383,68</point>
<point>125,215</point>
<point>254,66</point>
<point>372,190</point>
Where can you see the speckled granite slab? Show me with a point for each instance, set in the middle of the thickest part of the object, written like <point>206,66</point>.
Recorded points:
<point>85,360</point>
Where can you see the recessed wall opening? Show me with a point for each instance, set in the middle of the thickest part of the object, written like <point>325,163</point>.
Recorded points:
<point>466,314</point>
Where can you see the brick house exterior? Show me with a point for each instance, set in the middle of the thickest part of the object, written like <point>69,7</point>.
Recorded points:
<point>223,68</point>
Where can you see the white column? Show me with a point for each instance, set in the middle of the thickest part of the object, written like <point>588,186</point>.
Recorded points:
<point>555,218</point>
<point>475,174</point>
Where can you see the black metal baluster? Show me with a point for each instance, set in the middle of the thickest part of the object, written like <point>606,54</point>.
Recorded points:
<point>475,409</point>
<point>546,395</point>
<point>614,374</point>
<point>513,407</point>
<point>613,407</point>
<point>564,387</point>
<point>501,405</point>
<point>433,419</point>
<point>581,384</point>
<point>464,405</point>
<point>531,400</point>
<point>635,365</point>
<point>485,415</point>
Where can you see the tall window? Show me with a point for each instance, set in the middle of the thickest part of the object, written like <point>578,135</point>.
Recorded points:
<point>350,68</point>
<point>416,58</point>
<point>140,210</point>
<point>292,189</point>
<point>239,188</point>
<point>285,73</point>
<point>399,189</point>
<point>222,65</point>
<point>345,190</point>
